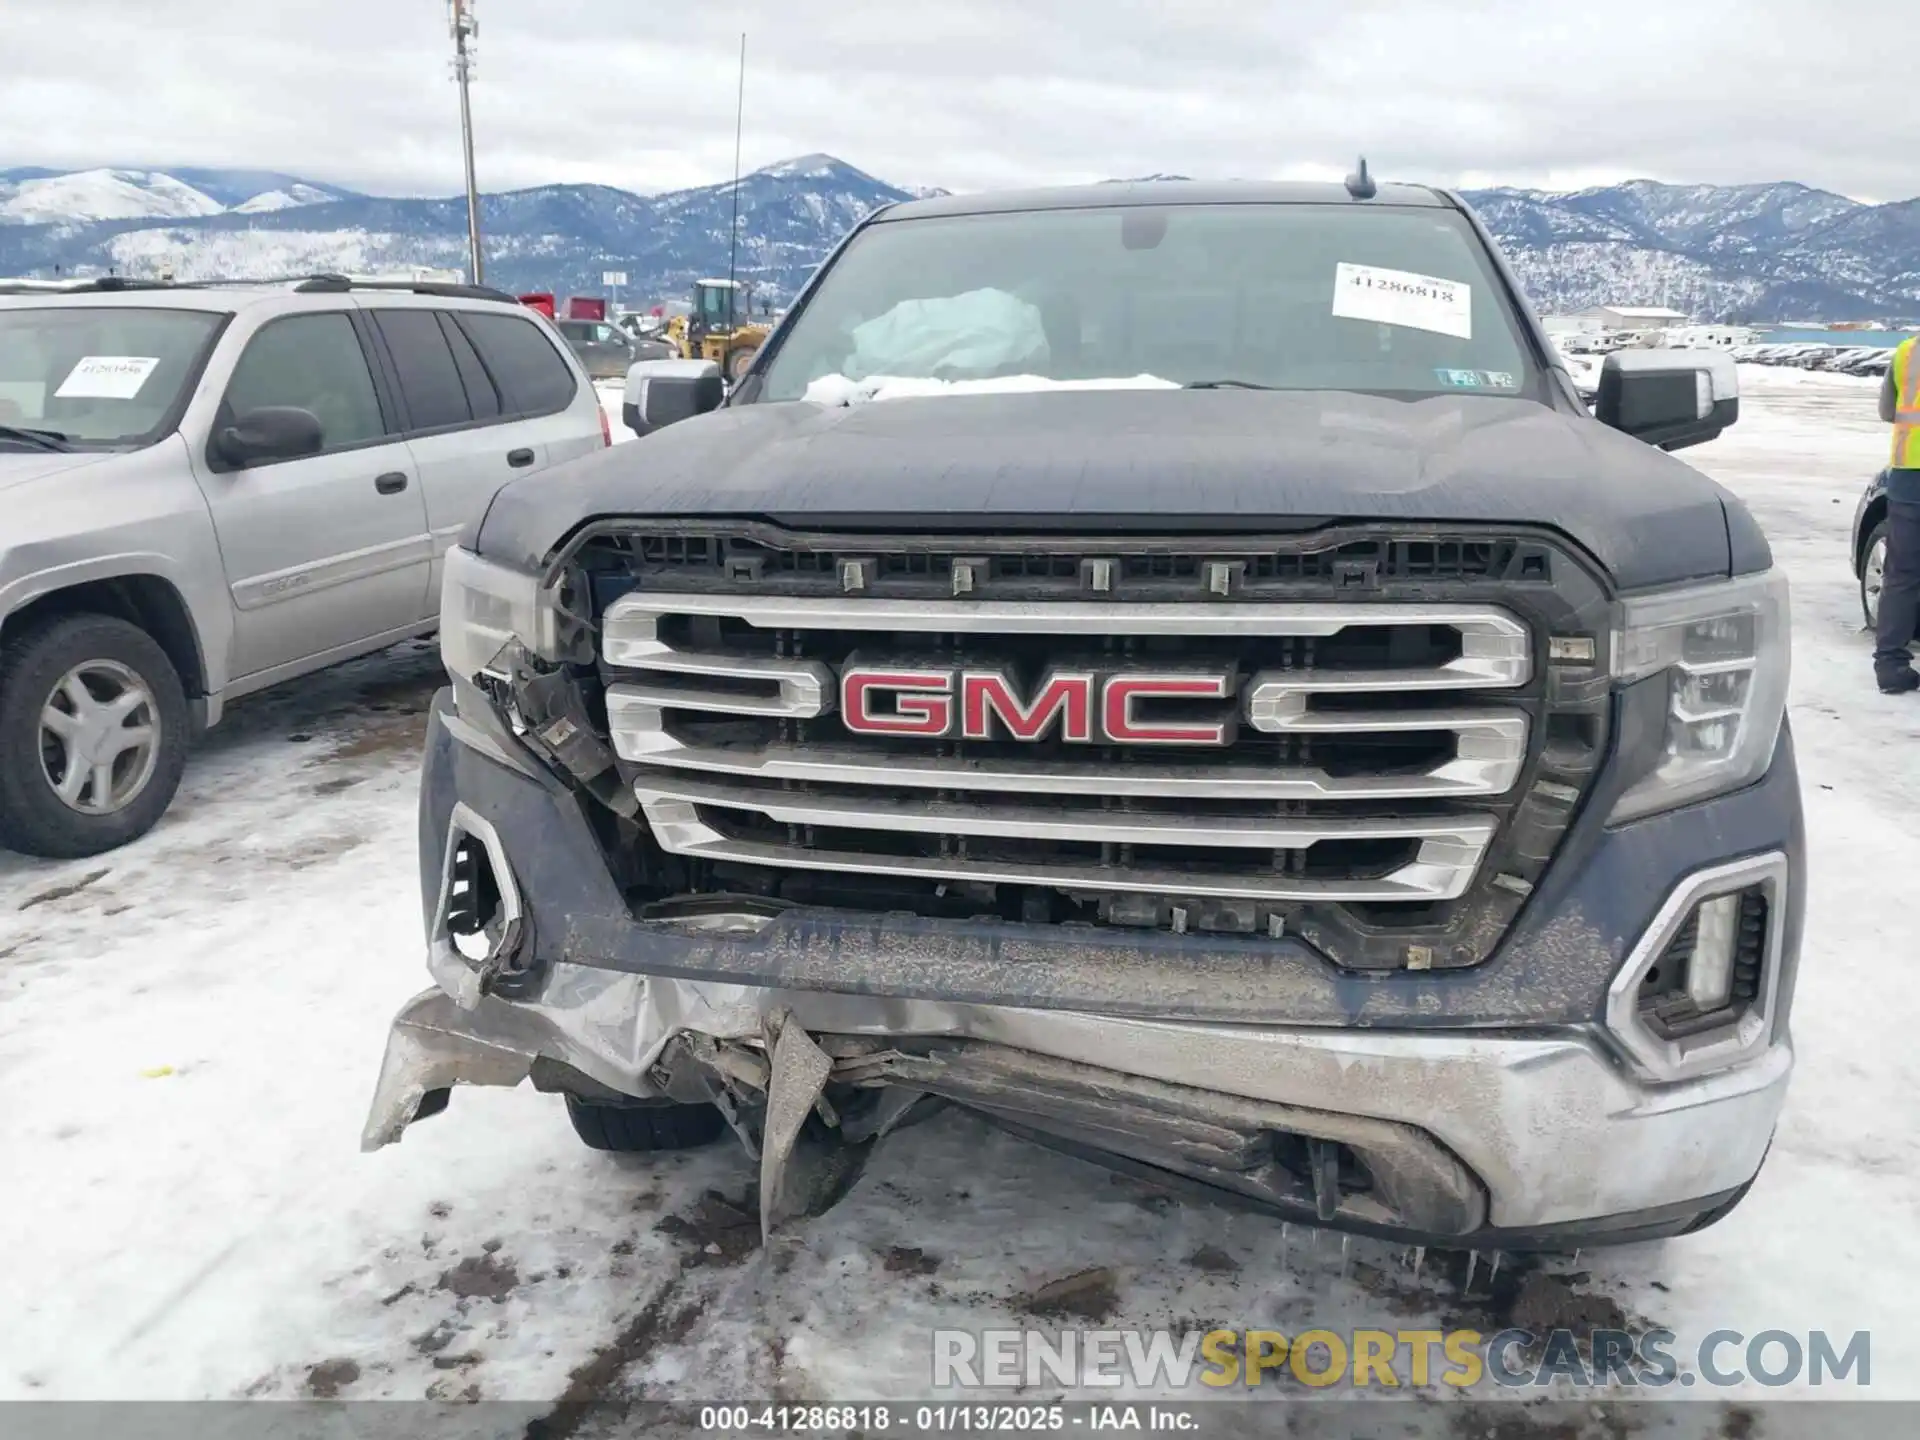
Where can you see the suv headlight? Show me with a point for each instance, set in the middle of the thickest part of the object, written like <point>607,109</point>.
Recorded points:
<point>484,607</point>
<point>1722,649</point>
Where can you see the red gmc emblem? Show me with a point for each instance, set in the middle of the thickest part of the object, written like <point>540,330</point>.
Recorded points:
<point>1085,708</point>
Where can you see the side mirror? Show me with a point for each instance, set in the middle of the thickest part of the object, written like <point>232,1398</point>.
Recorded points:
<point>1669,398</point>
<point>660,392</point>
<point>273,432</point>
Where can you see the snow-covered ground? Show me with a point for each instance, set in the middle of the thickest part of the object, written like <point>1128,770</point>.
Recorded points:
<point>189,1030</point>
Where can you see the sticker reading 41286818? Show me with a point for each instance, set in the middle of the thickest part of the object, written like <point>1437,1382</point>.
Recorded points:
<point>107,377</point>
<point>1400,297</point>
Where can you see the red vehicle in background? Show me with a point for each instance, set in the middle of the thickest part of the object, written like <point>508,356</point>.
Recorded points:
<point>539,301</point>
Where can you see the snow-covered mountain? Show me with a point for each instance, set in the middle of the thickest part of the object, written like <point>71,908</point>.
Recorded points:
<point>31,196</point>
<point>1720,252</point>
<point>553,237</point>
<point>1745,252</point>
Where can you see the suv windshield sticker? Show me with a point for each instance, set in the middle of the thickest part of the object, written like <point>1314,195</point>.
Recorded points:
<point>107,377</point>
<point>1400,297</point>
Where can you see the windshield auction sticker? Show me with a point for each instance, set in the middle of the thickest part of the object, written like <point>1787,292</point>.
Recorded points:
<point>107,377</point>
<point>1400,297</point>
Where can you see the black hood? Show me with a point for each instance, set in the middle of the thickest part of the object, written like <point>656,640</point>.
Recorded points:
<point>1144,460</point>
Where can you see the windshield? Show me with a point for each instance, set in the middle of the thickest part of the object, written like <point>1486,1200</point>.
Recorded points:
<point>714,300</point>
<point>1292,297</point>
<point>96,374</point>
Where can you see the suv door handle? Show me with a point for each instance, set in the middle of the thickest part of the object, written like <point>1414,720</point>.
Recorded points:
<point>391,483</point>
<point>519,458</point>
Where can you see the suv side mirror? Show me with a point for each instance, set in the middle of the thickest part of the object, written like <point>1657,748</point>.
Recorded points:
<point>659,392</point>
<point>272,432</point>
<point>1668,398</point>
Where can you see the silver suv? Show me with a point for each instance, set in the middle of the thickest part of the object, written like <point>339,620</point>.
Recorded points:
<point>208,490</point>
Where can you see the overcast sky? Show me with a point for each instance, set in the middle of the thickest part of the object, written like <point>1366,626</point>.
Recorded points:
<point>969,94</point>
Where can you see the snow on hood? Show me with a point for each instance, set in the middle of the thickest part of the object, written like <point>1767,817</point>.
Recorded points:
<point>841,390</point>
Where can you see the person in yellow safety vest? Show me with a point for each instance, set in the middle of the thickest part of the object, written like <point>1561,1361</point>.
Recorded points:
<point>1900,591</point>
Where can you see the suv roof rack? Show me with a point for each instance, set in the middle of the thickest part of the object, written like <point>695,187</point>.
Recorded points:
<point>80,287</point>
<point>446,289</point>
<point>303,284</point>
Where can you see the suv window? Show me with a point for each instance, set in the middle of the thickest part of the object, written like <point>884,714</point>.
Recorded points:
<point>532,377</point>
<point>1386,299</point>
<point>482,396</point>
<point>99,375</point>
<point>313,362</point>
<point>429,380</point>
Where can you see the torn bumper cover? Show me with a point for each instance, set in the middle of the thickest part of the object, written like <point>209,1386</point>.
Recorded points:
<point>1463,1138</point>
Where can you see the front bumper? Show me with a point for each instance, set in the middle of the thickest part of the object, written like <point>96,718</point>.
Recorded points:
<point>1492,1106</point>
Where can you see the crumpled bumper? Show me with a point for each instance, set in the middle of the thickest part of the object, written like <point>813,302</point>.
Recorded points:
<point>1492,1139</point>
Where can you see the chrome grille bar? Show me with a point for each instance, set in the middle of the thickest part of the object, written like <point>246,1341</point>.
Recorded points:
<point>1490,748</point>
<point>632,641</point>
<point>1095,826</point>
<point>1494,643</point>
<point>1442,868</point>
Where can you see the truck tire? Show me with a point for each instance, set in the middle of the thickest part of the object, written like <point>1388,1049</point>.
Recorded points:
<point>93,736</point>
<point>738,362</point>
<point>1873,573</point>
<point>645,1126</point>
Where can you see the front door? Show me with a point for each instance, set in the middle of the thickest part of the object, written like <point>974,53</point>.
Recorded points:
<point>329,551</point>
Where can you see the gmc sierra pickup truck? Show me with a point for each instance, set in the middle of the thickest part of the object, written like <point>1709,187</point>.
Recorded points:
<point>1174,668</point>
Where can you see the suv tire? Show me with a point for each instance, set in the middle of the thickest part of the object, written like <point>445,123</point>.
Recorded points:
<point>644,1126</point>
<point>114,682</point>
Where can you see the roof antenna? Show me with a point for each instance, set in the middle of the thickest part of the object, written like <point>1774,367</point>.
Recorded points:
<point>1360,184</point>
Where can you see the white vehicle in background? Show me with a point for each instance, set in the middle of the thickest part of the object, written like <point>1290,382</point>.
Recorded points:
<point>209,490</point>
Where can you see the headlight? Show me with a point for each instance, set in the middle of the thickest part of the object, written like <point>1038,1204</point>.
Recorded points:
<point>484,606</point>
<point>1722,649</point>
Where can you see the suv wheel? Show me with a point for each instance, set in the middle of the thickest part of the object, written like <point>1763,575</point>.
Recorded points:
<point>644,1126</point>
<point>93,736</point>
<point>1873,574</point>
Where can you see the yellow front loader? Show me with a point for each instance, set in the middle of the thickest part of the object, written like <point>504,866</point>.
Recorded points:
<point>719,327</point>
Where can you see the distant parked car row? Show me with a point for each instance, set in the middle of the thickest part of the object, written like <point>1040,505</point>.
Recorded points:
<point>1838,359</point>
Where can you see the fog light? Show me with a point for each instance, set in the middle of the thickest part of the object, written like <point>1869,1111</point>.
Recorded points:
<point>1710,966</point>
<point>1697,991</point>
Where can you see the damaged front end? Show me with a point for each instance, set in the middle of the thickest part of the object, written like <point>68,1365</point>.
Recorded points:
<point>794,1091</point>
<point>1369,965</point>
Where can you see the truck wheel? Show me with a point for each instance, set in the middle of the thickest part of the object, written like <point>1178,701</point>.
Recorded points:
<point>93,736</point>
<point>1873,574</point>
<point>737,364</point>
<point>645,1126</point>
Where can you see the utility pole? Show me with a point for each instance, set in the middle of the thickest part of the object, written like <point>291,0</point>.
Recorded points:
<point>465,27</point>
<point>733,234</point>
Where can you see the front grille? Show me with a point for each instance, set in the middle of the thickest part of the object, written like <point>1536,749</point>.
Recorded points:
<point>1374,755</point>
